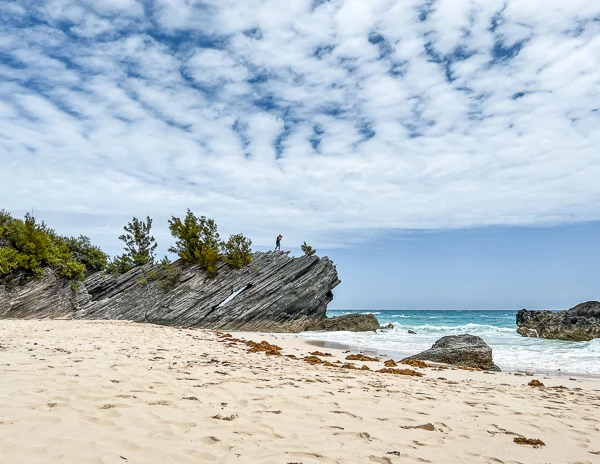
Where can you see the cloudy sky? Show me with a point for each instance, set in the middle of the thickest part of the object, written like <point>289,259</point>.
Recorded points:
<point>341,122</point>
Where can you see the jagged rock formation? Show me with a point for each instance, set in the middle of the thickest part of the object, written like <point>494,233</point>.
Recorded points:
<point>276,293</point>
<point>580,323</point>
<point>349,322</point>
<point>460,350</point>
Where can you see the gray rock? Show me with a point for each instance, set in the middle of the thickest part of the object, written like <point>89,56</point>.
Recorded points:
<point>412,332</point>
<point>389,326</point>
<point>525,332</point>
<point>275,293</point>
<point>349,322</point>
<point>460,350</point>
<point>580,323</point>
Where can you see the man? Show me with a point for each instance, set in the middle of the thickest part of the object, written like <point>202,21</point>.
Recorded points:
<point>278,243</point>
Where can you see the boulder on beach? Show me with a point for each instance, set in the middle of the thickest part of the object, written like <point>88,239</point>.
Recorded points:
<point>348,322</point>
<point>460,350</point>
<point>580,323</point>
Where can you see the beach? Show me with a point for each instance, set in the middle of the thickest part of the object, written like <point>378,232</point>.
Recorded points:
<point>121,392</point>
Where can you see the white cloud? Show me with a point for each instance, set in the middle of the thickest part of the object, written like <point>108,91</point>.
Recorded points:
<point>325,122</point>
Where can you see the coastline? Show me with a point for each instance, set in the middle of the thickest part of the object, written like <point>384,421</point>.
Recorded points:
<point>117,392</point>
<point>325,344</point>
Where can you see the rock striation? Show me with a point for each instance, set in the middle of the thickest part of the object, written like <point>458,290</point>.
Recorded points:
<point>580,323</point>
<point>460,350</point>
<point>276,293</point>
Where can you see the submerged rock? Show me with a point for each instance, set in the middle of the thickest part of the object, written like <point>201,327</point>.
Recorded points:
<point>276,293</point>
<point>525,332</point>
<point>580,323</point>
<point>460,350</point>
<point>349,322</point>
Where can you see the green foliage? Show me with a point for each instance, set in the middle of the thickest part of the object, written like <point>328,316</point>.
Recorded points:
<point>8,260</point>
<point>171,275</point>
<point>196,241</point>
<point>307,249</point>
<point>237,251</point>
<point>31,247</point>
<point>120,265</point>
<point>139,244</point>
<point>139,247</point>
<point>84,252</point>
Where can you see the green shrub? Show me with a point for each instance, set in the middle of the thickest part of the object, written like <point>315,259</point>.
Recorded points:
<point>307,249</point>
<point>8,260</point>
<point>237,251</point>
<point>196,241</point>
<point>170,277</point>
<point>31,247</point>
<point>84,252</point>
<point>139,247</point>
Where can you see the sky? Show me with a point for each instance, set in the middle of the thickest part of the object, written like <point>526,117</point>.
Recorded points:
<point>455,140</point>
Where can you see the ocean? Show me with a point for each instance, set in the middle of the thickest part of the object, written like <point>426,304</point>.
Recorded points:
<point>511,352</point>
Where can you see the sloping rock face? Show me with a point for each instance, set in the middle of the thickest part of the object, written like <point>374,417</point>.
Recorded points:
<point>460,350</point>
<point>580,323</point>
<point>276,293</point>
<point>349,322</point>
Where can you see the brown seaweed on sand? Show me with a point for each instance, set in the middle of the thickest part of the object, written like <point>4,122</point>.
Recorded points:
<point>535,442</point>
<point>319,353</point>
<point>415,363</point>
<point>536,383</point>
<point>400,372</point>
<point>360,357</point>
<point>390,363</point>
<point>269,350</point>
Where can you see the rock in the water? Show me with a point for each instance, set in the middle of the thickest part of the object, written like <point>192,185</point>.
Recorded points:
<point>389,326</point>
<point>412,332</point>
<point>275,293</point>
<point>460,350</point>
<point>525,332</point>
<point>581,323</point>
<point>349,322</point>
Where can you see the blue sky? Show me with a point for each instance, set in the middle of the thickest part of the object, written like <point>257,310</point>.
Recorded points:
<point>348,124</point>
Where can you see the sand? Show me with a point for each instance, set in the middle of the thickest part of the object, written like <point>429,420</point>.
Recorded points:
<point>119,392</point>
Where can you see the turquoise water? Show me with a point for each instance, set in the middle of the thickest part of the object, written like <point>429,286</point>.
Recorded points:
<point>511,351</point>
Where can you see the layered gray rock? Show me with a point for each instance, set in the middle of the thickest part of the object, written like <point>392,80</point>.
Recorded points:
<point>348,322</point>
<point>580,323</point>
<point>460,350</point>
<point>275,293</point>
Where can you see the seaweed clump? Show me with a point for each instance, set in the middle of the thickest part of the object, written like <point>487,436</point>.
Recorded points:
<point>313,360</point>
<point>319,353</point>
<point>536,383</point>
<point>361,357</point>
<point>390,363</point>
<point>415,363</point>
<point>410,372</point>
<point>535,442</point>
<point>264,346</point>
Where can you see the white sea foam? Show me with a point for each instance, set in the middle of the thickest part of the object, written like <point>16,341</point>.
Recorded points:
<point>510,350</point>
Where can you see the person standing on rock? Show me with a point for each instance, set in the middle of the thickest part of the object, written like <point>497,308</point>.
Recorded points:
<point>278,243</point>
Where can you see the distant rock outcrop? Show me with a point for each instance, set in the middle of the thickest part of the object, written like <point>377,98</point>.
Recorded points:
<point>580,323</point>
<point>349,322</point>
<point>276,293</point>
<point>460,350</point>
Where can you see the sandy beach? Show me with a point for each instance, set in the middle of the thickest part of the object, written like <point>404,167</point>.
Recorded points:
<point>119,392</point>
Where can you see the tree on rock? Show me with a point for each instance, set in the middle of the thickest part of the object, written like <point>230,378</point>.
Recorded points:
<point>139,247</point>
<point>307,249</point>
<point>237,251</point>
<point>196,241</point>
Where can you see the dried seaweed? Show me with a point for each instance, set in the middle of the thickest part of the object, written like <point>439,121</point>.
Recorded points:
<point>360,357</point>
<point>415,363</point>
<point>390,363</point>
<point>536,383</point>
<point>319,353</point>
<point>400,372</point>
<point>535,442</point>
